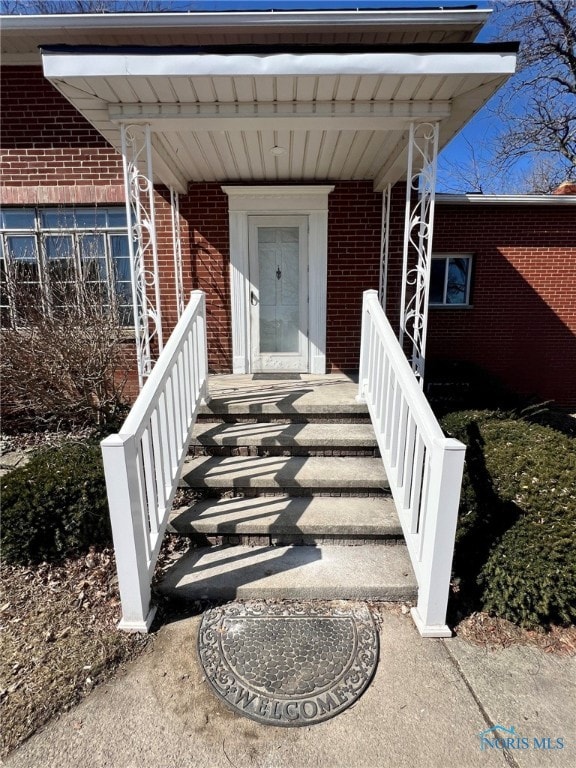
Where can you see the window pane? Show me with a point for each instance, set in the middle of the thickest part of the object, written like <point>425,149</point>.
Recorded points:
<point>57,218</point>
<point>122,279</point>
<point>93,258</point>
<point>61,271</point>
<point>21,247</point>
<point>59,247</point>
<point>437,275</point>
<point>457,281</point>
<point>94,270</point>
<point>18,218</point>
<point>4,297</point>
<point>90,218</point>
<point>26,271</point>
<point>119,246</point>
<point>125,315</point>
<point>116,217</point>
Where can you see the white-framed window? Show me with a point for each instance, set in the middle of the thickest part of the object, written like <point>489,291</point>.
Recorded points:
<point>450,279</point>
<point>47,253</point>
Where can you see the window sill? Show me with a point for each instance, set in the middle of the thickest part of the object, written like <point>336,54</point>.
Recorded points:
<point>450,306</point>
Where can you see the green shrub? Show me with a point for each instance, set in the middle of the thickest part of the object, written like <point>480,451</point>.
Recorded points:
<point>514,552</point>
<point>55,506</point>
<point>530,576</point>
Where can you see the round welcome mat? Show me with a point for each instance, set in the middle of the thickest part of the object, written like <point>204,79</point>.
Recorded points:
<point>289,664</point>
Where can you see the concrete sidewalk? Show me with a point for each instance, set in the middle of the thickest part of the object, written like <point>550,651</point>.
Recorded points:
<point>427,705</point>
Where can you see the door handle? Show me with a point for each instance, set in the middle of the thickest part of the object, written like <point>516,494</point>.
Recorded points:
<point>253,299</point>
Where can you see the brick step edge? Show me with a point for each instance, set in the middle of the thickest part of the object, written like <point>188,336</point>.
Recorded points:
<point>279,450</point>
<point>283,418</point>
<point>244,491</point>
<point>289,540</point>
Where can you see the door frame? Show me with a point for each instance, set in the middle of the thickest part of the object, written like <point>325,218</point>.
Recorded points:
<point>309,200</point>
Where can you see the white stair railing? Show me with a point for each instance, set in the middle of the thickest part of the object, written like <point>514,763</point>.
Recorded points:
<point>142,463</point>
<point>424,467</point>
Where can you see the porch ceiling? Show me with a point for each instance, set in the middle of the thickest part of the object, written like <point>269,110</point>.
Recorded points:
<point>215,116</point>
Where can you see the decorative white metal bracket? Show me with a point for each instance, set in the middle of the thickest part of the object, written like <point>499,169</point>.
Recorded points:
<point>417,250</point>
<point>384,245</point>
<point>177,246</point>
<point>143,246</point>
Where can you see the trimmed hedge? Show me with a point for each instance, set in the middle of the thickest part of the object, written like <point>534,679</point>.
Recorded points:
<point>55,506</point>
<point>515,552</point>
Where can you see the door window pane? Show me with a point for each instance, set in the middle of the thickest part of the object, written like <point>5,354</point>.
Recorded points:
<point>278,260</point>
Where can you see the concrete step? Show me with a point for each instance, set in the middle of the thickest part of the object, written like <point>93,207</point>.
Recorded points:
<point>322,573</point>
<point>283,520</point>
<point>276,438</point>
<point>304,398</point>
<point>295,476</point>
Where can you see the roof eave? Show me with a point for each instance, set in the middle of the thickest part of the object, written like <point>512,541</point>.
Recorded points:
<point>441,17</point>
<point>478,199</point>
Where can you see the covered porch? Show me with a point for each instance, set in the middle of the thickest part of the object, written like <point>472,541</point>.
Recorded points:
<point>276,129</point>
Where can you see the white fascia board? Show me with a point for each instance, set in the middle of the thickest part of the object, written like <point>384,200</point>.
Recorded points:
<point>476,199</point>
<point>58,65</point>
<point>247,19</point>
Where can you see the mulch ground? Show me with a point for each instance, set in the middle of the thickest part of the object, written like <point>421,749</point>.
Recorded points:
<point>59,639</point>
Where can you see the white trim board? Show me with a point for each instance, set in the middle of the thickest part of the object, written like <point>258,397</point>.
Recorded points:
<point>64,65</point>
<point>275,200</point>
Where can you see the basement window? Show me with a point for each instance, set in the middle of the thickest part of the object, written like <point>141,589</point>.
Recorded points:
<point>54,257</point>
<point>450,280</point>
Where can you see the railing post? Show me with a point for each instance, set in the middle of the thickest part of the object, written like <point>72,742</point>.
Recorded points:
<point>203,341</point>
<point>364,344</point>
<point>120,467</point>
<point>441,515</point>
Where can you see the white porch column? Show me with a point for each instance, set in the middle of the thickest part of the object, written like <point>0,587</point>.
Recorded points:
<point>417,250</point>
<point>138,181</point>
<point>177,249</point>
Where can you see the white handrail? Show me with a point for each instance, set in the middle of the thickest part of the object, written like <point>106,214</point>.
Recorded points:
<point>142,463</point>
<point>424,467</point>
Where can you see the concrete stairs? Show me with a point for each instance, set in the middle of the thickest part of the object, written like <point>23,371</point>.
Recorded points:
<point>293,500</point>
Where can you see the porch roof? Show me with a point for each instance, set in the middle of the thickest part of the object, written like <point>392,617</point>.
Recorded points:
<point>279,114</point>
<point>22,35</point>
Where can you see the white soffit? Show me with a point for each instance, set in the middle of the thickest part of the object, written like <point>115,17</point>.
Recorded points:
<point>337,116</point>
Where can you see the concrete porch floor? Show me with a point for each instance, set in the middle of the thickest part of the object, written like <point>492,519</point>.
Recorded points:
<point>304,392</point>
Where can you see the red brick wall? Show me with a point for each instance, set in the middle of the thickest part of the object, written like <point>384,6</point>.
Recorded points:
<point>354,223</point>
<point>522,326</point>
<point>47,144</point>
<point>207,257</point>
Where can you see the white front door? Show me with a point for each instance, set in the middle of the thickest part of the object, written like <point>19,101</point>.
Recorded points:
<point>278,249</point>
